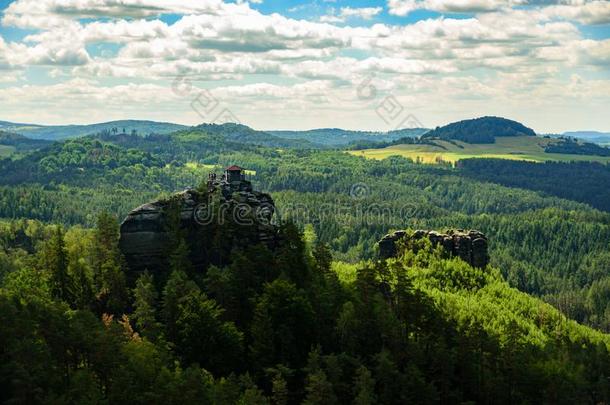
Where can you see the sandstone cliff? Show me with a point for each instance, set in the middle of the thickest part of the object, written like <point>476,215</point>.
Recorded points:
<point>470,246</point>
<point>212,222</point>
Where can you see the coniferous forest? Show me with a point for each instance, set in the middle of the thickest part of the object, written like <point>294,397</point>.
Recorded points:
<point>316,318</point>
<point>306,202</point>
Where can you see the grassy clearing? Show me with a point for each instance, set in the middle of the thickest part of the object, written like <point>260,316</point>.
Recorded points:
<point>6,151</point>
<point>515,148</point>
<point>201,166</point>
<point>345,271</point>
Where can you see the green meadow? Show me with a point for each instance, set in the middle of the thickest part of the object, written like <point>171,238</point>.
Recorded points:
<point>526,148</point>
<point>6,150</point>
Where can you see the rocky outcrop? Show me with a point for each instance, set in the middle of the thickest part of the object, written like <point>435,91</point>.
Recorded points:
<point>213,222</point>
<point>470,246</point>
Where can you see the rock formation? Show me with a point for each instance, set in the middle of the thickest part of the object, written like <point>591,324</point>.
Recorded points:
<point>470,246</point>
<point>228,214</point>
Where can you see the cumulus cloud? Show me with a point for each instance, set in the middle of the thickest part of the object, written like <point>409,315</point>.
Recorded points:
<point>500,54</point>
<point>584,11</point>
<point>592,12</point>
<point>365,13</point>
<point>50,13</point>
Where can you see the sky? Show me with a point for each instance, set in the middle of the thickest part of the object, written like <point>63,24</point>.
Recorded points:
<point>271,64</point>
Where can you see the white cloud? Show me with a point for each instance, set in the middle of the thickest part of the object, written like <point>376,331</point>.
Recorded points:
<point>50,13</point>
<point>345,13</point>
<point>584,11</point>
<point>592,12</point>
<point>501,56</point>
<point>404,7</point>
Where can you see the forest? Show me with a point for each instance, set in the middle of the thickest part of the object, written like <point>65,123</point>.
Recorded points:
<point>572,146</point>
<point>320,319</point>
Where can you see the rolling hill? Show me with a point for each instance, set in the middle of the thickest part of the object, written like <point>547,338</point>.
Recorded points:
<point>480,130</point>
<point>58,132</point>
<point>602,138</point>
<point>20,143</point>
<point>342,137</point>
<point>243,134</point>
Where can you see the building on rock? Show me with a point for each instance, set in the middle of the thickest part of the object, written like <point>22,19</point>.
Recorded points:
<point>213,220</point>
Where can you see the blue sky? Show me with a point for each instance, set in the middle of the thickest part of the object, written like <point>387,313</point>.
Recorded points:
<point>375,65</point>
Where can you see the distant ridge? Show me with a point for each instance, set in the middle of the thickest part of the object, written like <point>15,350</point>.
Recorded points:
<point>586,134</point>
<point>480,130</point>
<point>342,137</point>
<point>244,134</point>
<point>59,132</point>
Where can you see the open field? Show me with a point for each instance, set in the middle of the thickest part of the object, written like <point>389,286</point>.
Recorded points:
<point>6,150</point>
<point>515,148</point>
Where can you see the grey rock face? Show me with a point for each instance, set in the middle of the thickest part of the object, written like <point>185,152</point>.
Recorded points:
<point>145,235</point>
<point>470,246</point>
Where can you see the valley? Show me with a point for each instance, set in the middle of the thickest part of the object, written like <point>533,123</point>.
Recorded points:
<point>262,202</point>
<point>145,247</point>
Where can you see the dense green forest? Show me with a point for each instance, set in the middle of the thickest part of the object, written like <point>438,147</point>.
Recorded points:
<point>572,146</point>
<point>324,321</point>
<point>277,328</point>
<point>72,182</point>
<point>586,182</point>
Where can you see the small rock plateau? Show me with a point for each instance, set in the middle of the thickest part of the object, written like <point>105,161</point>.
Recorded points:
<point>470,246</point>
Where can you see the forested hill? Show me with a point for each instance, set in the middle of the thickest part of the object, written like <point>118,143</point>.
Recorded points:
<point>20,142</point>
<point>57,132</point>
<point>480,130</point>
<point>342,137</point>
<point>239,133</point>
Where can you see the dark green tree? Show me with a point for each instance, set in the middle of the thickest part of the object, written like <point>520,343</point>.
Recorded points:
<point>55,261</point>
<point>145,307</point>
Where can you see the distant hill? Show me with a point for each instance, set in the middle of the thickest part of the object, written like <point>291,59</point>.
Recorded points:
<point>342,137</point>
<point>20,142</point>
<point>58,132</point>
<point>244,134</point>
<point>590,136</point>
<point>480,130</point>
<point>316,138</point>
<point>586,134</point>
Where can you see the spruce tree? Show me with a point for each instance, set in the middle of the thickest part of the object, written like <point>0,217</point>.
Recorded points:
<point>56,263</point>
<point>145,302</point>
<point>364,387</point>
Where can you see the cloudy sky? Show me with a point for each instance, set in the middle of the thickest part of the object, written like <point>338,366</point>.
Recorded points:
<point>271,64</point>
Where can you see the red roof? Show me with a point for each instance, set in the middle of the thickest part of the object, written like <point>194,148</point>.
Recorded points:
<point>234,169</point>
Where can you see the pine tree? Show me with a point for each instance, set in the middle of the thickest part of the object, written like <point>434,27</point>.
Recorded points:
<point>283,326</point>
<point>177,287</point>
<point>106,237</point>
<point>279,390</point>
<point>114,289</point>
<point>56,263</point>
<point>364,387</point>
<point>145,302</point>
<point>108,276</point>
<point>83,289</point>
<point>319,391</point>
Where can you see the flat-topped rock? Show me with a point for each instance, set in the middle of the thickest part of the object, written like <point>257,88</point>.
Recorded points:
<point>470,246</point>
